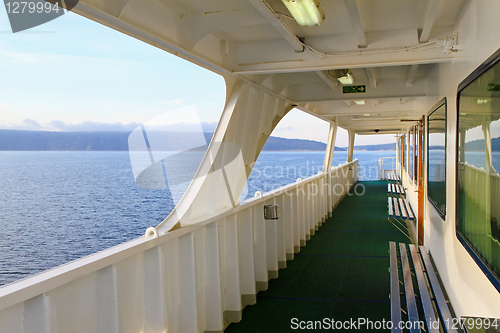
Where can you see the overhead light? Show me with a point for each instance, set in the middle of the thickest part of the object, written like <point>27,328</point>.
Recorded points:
<point>360,102</point>
<point>366,114</point>
<point>343,75</point>
<point>307,13</point>
<point>347,77</point>
<point>482,101</point>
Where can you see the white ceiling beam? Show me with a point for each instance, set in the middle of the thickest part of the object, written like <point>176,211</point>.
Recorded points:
<point>353,9</point>
<point>396,96</point>
<point>320,64</point>
<point>371,77</point>
<point>327,80</point>
<point>411,75</point>
<point>430,18</point>
<point>273,18</point>
<point>361,110</point>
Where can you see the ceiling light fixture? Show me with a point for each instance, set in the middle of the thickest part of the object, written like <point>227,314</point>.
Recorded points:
<point>360,102</point>
<point>343,75</point>
<point>307,13</point>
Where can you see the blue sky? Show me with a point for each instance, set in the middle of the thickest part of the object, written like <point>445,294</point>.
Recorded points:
<point>74,74</point>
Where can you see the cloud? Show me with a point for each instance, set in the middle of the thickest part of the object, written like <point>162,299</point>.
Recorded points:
<point>86,126</point>
<point>90,126</point>
<point>32,124</point>
<point>173,102</point>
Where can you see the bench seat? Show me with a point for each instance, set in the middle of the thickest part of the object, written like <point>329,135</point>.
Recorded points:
<point>430,297</point>
<point>400,208</point>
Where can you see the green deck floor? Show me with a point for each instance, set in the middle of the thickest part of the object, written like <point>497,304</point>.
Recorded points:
<point>341,273</point>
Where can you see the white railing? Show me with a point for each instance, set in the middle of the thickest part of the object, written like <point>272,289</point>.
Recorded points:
<point>481,189</point>
<point>386,165</point>
<point>194,279</point>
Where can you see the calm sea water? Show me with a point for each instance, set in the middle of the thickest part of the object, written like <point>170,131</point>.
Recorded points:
<point>59,206</point>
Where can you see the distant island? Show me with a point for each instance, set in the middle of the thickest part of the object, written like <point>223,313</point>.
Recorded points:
<point>478,145</point>
<point>20,140</point>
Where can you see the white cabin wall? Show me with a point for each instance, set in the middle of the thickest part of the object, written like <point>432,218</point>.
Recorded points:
<point>470,292</point>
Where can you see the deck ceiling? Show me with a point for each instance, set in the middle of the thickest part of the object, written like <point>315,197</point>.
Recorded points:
<point>244,38</point>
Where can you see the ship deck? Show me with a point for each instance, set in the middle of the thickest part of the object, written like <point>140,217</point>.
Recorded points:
<point>341,273</point>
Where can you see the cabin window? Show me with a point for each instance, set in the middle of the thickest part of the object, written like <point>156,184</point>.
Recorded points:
<point>415,158</point>
<point>411,153</point>
<point>406,140</point>
<point>436,157</point>
<point>478,163</point>
<point>403,140</point>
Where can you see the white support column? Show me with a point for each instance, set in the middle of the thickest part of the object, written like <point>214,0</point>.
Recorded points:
<point>106,300</point>
<point>487,185</point>
<point>271,245</point>
<point>259,248</point>
<point>352,135</point>
<point>154,314</point>
<point>247,267</point>
<point>188,305</point>
<point>295,201</point>
<point>462,145</point>
<point>281,232</point>
<point>214,313</point>
<point>231,269</point>
<point>289,224</point>
<point>330,146</point>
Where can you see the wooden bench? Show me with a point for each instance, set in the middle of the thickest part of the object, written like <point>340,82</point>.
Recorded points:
<point>395,189</point>
<point>393,177</point>
<point>400,208</point>
<point>427,293</point>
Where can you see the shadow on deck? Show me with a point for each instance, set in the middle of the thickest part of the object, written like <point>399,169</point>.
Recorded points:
<point>341,273</point>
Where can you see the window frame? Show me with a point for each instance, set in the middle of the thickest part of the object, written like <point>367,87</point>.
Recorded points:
<point>416,147</point>
<point>434,109</point>
<point>411,152</point>
<point>483,68</point>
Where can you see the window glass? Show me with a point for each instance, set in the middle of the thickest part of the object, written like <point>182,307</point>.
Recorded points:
<point>403,140</point>
<point>478,197</point>
<point>411,155</point>
<point>436,152</point>
<point>415,158</point>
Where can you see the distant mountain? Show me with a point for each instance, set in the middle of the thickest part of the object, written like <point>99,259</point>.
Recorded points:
<point>478,145</point>
<point>44,140</point>
<point>18,140</point>
<point>276,143</point>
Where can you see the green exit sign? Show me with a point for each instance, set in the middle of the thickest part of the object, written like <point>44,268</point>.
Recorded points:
<point>354,89</point>
<point>493,86</point>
